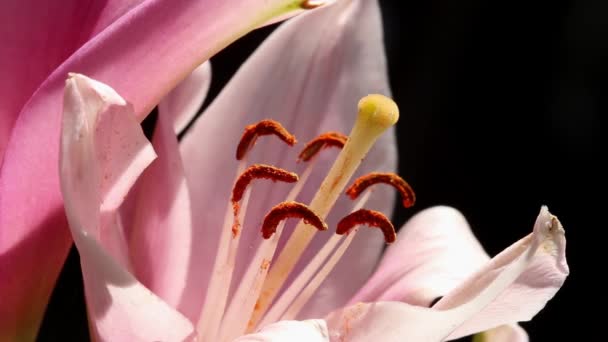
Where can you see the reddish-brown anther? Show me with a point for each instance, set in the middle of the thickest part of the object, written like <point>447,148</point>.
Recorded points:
<point>264,127</point>
<point>260,171</point>
<point>408,197</point>
<point>370,218</point>
<point>287,210</point>
<point>328,139</point>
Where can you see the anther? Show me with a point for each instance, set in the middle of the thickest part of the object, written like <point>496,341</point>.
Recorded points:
<point>328,139</point>
<point>311,4</point>
<point>287,210</point>
<point>408,197</point>
<point>370,218</point>
<point>264,127</point>
<point>260,171</point>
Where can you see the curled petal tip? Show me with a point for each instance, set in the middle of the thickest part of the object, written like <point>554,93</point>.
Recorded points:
<point>548,223</point>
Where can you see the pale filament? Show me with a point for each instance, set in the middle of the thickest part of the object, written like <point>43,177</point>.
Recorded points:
<point>233,246</point>
<point>210,317</point>
<point>297,289</point>
<point>241,306</point>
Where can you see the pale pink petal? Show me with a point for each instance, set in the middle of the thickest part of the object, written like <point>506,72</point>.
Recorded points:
<point>290,331</point>
<point>397,322</point>
<point>434,252</point>
<point>535,264</point>
<point>143,54</point>
<point>37,36</point>
<point>545,272</point>
<point>309,75</point>
<point>103,151</point>
<point>503,333</point>
<point>119,307</point>
<point>388,322</point>
<point>160,237</point>
<point>184,101</point>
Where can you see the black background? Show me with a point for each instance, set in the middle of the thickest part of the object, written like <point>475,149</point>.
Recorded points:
<point>500,105</point>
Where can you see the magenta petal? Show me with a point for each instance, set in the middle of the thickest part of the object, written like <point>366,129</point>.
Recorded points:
<point>309,75</point>
<point>23,299</point>
<point>434,252</point>
<point>314,330</point>
<point>144,54</point>
<point>161,234</point>
<point>37,36</point>
<point>103,151</point>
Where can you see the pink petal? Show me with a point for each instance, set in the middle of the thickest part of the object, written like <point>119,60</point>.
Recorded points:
<point>512,287</point>
<point>309,75</point>
<point>290,331</point>
<point>545,271</point>
<point>37,36</point>
<point>185,100</point>
<point>120,308</point>
<point>503,333</point>
<point>434,252</point>
<point>103,151</point>
<point>143,54</point>
<point>161,234</point>
<point>388,322</point>
<point>24,299</point>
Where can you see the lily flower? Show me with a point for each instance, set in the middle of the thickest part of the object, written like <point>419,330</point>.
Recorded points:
<point>144,48</point>
<point>181,240</point>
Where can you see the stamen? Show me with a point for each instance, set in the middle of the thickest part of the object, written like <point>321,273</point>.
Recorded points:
<point>328,139</point>
<point>236,225</point>
<point>260,171</point>
<point>408,196</point>
<point>217,292</point>
<point>294,290</point>
<point>368,217</point>
<point>257,171</point>
<point>376,114</point>
<point>286,210</point>
<point>311,4</point>
<point>264,127</point>
<point>207,321</point>
<point>243,301</point>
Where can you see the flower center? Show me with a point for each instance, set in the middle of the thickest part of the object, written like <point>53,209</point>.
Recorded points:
<point>258,288</point>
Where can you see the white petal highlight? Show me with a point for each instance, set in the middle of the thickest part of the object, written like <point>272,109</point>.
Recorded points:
<point>314,330</point>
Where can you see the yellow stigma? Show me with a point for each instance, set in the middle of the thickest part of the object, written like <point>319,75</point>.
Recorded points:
<point>379,111</point>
